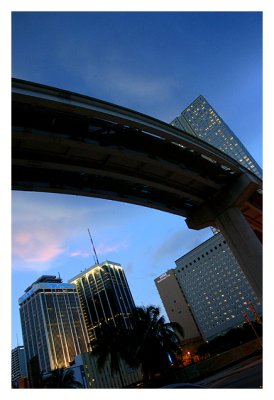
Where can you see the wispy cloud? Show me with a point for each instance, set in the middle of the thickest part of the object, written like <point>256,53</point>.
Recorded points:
<point>35,246</point>
<point>111,72</point>
<point>105,248</point>
<point>139,86</point>
<point>170,246</point>
<point>178,244</point>
<point>102,248</point>
<point>79,253</point>
<point>47,227</point>
<point>40,248</point>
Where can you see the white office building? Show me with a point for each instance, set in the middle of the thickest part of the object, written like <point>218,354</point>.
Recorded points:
<point>213,288</point>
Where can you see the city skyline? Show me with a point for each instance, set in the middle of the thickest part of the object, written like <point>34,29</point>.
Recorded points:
<point>56,238</point>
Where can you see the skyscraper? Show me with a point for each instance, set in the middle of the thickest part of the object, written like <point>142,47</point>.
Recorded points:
<point>213,287</point>
<point>18,364</point>
<point>175,303</point>
<point>104,295</point>
<point>201,120</point>
<point>52,325</point>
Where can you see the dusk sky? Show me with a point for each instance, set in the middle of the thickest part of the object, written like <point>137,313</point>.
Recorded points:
<point>154,63</point>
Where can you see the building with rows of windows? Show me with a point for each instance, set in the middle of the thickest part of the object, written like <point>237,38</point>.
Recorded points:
<point>201,120</point>
<point>60,320</point>
<point>207,290</point>
<point>52,326</point>
<point>104,295</point>
<point>18,365</point>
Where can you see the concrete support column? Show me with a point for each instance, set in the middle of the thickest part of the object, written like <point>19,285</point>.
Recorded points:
<point>223,211</point>
<point>244,244</point>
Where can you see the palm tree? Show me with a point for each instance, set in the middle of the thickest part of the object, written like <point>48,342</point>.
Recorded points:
<point>61,378</point>
<point>150,343</point>
<point>108,347</point>
<point>154,344</point>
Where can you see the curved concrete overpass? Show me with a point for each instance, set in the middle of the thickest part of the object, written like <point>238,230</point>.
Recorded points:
<point>64,142</point>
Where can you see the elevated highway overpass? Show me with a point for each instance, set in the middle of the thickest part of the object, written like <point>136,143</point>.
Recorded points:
<point>63,142</point>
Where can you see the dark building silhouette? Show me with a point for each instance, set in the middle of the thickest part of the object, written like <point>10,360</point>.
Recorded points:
<point>18,365</point>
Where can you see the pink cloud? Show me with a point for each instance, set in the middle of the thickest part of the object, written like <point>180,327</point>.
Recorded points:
<point>22,238</point>
<point>45,255</point>
<point>36,247</point>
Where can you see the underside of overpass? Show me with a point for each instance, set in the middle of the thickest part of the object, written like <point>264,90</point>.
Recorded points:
<point>72,144</point>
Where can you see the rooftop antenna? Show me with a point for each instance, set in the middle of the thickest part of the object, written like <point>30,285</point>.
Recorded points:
<point>96,258</point>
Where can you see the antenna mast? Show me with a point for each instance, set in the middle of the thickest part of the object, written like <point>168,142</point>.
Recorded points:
<point>96,258</point>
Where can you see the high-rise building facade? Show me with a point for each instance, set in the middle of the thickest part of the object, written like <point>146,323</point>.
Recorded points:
<point>52,325</point>
<point>104,295</point>
<point>176,305</point>
<point>18,363</point>
<point>214,288</point>
<point>201,120</point>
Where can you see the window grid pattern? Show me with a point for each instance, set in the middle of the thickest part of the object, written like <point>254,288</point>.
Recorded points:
<point>18,364</point>
<point>104,296</point>
<point>201,120</point>
<point>215,287</point>
<point>53,327</point>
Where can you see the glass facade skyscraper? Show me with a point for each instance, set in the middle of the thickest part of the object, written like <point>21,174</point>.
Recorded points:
<point>104,295</point>
<point>52,325</point>
<point>201,120</point>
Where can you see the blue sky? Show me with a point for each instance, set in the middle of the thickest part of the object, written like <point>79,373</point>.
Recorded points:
<point>154,63</point>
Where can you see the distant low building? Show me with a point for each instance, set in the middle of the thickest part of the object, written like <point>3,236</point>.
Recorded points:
<point>105,379</point>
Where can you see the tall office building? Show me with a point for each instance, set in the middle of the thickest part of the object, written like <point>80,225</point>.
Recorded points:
<point>52,325</point>
<point>104,295</point>
<point>201,120</point>
<point>18,365</point>
<point>213,288</point>
<point>208,284</point>
<point>175,303</point>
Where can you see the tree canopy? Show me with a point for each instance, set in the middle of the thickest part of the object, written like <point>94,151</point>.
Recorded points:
<point>150,343</point>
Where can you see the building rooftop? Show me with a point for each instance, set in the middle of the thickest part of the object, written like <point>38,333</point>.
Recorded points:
<point>86,270</point>
<point>45,278</point>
